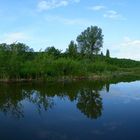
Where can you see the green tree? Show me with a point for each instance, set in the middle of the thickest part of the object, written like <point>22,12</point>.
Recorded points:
<point>102,54</point>
<point>90,40</point>
<point>53,51</point>
<point>4,60</point>
<point>107,53</point>
<point>19,48</point>
<point>72,49</point>
<point>18,56</point>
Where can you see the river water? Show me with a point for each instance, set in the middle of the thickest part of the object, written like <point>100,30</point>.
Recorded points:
<point>84,110</point>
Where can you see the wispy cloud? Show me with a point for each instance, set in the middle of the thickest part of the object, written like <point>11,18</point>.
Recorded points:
<point>127,48</point>
<point>111,14</point>
<point>107,13</point>
<point>130,42</point>
<point>51,4</point>
<point>97,7</point>
<point>13,37</point>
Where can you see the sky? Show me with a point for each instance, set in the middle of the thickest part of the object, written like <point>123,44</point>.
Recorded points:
<point>43,23</point>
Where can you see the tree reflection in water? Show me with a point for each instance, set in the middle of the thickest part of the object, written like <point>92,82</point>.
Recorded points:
<point>87,95</point>
<point>90,103</point>
<point>10,101</point>
<point>39,100</point>
<point>12,97</point>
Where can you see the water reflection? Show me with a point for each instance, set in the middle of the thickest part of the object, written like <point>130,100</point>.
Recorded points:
<point>90,103</point>
<point>38,99</point>
<point>10,101</point>
<point>85,94</point>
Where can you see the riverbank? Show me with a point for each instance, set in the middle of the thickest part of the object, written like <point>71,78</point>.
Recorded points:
<point>107,76</point>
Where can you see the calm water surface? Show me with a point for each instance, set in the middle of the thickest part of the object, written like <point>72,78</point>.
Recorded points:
<point>70,111</point>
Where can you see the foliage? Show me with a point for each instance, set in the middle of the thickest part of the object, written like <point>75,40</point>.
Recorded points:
<point>90,40</point>
<point>72,49</point>
<point>53,51</point>
<point>107,53</point>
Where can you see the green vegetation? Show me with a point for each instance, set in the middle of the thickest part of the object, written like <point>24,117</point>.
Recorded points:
<point>90,40</point>
<point>82,60</point>
<point>107,53</point>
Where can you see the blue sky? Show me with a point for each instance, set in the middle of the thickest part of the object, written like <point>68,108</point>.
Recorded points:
<point>43,23</point>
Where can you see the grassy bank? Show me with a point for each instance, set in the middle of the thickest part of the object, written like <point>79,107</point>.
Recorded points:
<point>88,73</point>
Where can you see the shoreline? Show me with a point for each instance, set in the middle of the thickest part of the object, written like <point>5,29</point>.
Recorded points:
<point>94,77</point>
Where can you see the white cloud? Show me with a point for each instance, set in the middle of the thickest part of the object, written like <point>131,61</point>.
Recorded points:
<point>68,21</point>
<point>128,48</point>
<point>130,43</point>
<point>113,15</point>
<point>51,4</point>
<point>97,7</point>
<point>13,37</point>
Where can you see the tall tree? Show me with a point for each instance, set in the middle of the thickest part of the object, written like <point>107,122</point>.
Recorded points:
<point>107,53</point>
<point>90,40</point>
<point>72,49</point>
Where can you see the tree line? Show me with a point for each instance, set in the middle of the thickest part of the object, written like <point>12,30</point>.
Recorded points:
<point>19,61</point>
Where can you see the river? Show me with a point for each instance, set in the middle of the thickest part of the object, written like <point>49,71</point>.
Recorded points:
<point>85,110</point>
